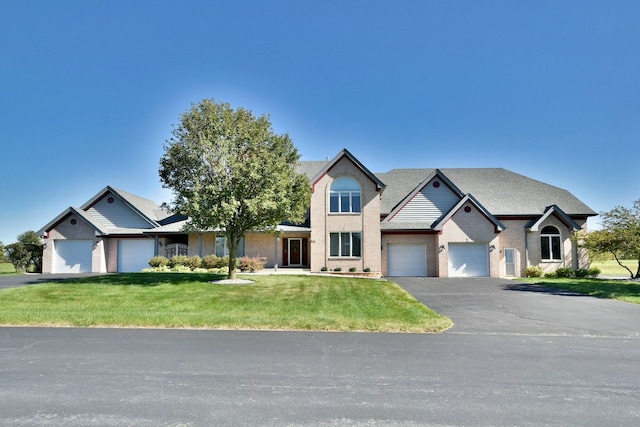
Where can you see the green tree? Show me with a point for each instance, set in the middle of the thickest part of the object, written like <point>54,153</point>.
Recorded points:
<point>2,255</point>
<point>26,252</point>
<point>619,236</point>
<point>229,171</point>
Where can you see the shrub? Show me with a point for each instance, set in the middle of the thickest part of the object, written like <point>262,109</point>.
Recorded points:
<point>367,270</point>
<point>178,260</point>
<point>337,269</point>
<point>181,269</point>
<point>159,261</point>
<point>324,268</point>
<point>352,270</point>
<point>194,262</point>
<point>251,264</point>
<point>533,271</point>
<point>564,273</point>
<point>212,261</point>
<point>581,273</point>
<point>551,275</point>
<point>594,272</point>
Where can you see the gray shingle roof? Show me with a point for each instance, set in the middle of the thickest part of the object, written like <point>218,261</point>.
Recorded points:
<point>500,191</point>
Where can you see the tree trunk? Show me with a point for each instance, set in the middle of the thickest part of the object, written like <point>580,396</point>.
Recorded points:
<point>233,254</point>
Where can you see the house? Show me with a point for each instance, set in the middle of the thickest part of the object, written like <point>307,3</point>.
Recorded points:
<point>406,222</point>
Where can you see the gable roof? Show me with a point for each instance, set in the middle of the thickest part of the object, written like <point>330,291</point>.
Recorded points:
<point>439,223</point>
<point>84,216</point>
<point>419,188</point>
<point>502,192</point>
<point>345,153</point>
<point>147,209</point>
<point>534,224</point>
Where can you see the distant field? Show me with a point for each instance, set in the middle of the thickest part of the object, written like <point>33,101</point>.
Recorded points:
<point>611,267</point>
<point>6,268</point>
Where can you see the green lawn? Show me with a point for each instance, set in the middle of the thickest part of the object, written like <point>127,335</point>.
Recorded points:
<point>188,300</point>
<point>6,268</point>
<point>612,268</point>
<point>622,290</point>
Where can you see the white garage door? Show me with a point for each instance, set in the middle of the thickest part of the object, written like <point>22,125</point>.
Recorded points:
<point>134,254</point>
<point>406,260</point>
<point>468,260</point>
<point>72,256</point>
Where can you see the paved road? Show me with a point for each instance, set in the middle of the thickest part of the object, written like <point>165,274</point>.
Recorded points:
<point>516,371</point>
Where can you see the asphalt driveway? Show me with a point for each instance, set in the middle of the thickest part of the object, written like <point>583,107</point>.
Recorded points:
<point>35,278</point>
<point>506,307</point>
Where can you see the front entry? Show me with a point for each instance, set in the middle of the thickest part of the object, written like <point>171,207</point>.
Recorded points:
<point>295,252</point>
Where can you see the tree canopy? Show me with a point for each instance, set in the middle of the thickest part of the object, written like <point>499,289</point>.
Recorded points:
<point>230,172</point>
<point>27,251</point>
<point>619,236</point>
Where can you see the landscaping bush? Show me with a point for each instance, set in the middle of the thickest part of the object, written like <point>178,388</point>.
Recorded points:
<point>324,268</point>
<point>367,270</point>
<point>533,271</point>
<point>212,261</point>
<point>194,262</point>
<point>581,273</point>
<point>251,264</point>
<point>594,272</point>
<point>564,273</point>
<point>159,261</point>
<point>352,270</point>
<point>178,260</point>
<point>337,269</point>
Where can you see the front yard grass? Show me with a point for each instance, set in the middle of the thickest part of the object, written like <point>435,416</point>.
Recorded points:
<point>189,300</point>
<point>611,267</point>
<point>622,290</point>
<point>6,268</point>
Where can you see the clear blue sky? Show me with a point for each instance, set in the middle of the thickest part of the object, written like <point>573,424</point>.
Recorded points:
<point>89,89</point>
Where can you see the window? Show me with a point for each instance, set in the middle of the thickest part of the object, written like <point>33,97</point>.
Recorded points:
<point>222,248</point>
<point>344,196</point>
<point>550,244</point>
<point>345,244</point>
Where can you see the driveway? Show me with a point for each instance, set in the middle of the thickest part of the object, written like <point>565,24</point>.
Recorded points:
<point>34,279</point>
<point>507,307</point>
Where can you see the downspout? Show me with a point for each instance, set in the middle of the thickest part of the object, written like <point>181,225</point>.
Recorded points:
<point>526,249</point>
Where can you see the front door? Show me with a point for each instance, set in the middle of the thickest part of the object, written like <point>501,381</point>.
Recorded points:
<point>510,262</point>
<point>295,251</point>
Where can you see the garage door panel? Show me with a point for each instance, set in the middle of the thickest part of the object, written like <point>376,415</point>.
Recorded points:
<point>134,254</point>
<point>407,260</point>
<point>468,260</point>
<point>72,256</point>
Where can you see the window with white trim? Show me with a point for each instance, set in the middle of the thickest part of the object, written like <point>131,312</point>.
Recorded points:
<point>345,245</point>
<point>222,248</point>
<point>345,196</point>
<point>550,244</point>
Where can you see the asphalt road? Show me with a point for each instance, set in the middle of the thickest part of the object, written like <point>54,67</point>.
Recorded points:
<point>529,374</point>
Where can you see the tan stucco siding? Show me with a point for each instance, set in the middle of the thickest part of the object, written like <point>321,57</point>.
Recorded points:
<point>430,240</point>
<point>469,227</point>
<point>323,223</point>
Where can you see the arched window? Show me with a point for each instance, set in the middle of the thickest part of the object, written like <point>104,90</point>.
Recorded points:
<point>345,196</point>
<point>550,244</point>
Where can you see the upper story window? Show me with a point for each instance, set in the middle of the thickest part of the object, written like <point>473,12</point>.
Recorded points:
<point>345,196</point>
<point>550,244</point>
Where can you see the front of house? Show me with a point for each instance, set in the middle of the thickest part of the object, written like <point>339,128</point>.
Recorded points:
<point>405,222</point>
